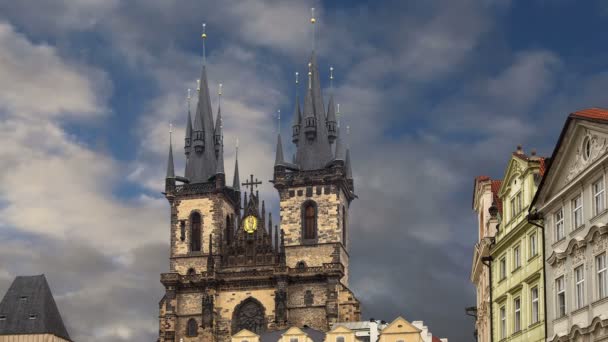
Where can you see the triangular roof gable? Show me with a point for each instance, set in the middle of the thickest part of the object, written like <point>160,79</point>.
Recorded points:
<point>294,331</point>
<point>515,168</point>
<point>340,329</point>
<point>566,160</point>
<point>245,333</point>
<point>400,325</point>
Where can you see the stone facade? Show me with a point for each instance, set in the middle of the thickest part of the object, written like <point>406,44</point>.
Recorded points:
<point>571,204</point>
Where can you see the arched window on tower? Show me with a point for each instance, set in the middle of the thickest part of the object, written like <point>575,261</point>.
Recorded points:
<point>309,217</point>
<point>192,328</point>
<point>195,232</point>
<point>229,231</point>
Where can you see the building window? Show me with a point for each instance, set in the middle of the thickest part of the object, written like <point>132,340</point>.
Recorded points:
<point>503,268</point>
<point>293,339</point>
<point>559,225</point>
<point>517,314</point>
<point>310,220</point>
<point>340,339</point>
<point>195,232</point>
<point>579,278</point>
<point>533,249</point>
<point>192,328</point>
<point>560,291</point>
<point>577,212</point>
<point>534,296</point>
<point>516,257</point>
<point>309,298</point>
<point>516,205</point>
<point>598,196</point>
<point>503,323</point>
<point>602,279</point>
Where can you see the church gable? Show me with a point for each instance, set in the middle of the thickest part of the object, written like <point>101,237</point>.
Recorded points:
<point>400,326</point>
<point>513,177</point>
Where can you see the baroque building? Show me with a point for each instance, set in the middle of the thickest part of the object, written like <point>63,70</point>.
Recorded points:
<point>488,208</point>
<point>571,204</point>
<point>230,268</point>
<point>517,285</point>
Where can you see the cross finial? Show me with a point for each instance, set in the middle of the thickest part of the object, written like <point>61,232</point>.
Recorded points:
<point>331,77</point>
<point>279,121</point>
<point>313,20</point>
<point>204,36</point>
<point>297,74</point>
<point>198,85</point>
<point>309,75</point>
<point>170,132</point>
<point>219,94</point>
<point>252,183</point>
<point>188,98</point>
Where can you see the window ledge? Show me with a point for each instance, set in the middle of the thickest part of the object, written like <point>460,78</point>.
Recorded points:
<point>535,324</point>
<point>605,210</point>
<point>534,257</point>
<point>600,301</point>
<point>516,269</point>
<point>576,230</point>
<point>559,319</point>
<point>501,280</point>
<point>581,309</point>
<point>558,242</point>
<point>517,333</point>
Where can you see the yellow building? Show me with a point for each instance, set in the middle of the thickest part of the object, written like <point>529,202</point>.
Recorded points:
<point>517,256</point>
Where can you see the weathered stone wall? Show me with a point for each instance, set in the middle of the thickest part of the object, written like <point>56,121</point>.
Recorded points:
<point>349,308</point>
<point>329,200</point>
<point>296,292</point>
<point>314,317</point>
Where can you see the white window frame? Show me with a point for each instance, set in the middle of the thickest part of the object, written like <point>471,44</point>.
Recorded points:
<point>560,292</point>
<point>558,216</point>
<point>577,211</point>
<point>533,244</point>
<point>516,257</point>
<point>599,196</point>
<point>535,305</point>
<point>601,272</point>
<point>579,287</point>
<point>502,265</point>
<point>517,314</point>
<point>503,322</point>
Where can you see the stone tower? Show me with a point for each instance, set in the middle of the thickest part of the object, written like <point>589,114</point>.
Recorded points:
<point>230,268</point>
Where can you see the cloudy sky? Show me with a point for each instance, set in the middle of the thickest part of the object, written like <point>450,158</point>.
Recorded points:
<point>436,93</point>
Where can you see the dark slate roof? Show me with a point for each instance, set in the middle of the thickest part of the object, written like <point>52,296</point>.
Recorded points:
<point>170,167</point>
<point>26,297</point>
<point>274,336</point>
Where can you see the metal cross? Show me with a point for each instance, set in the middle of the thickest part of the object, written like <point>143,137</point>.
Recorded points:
<point>252,183</point>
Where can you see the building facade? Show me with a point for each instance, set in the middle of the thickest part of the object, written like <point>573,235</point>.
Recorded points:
<point>517,259</point>
<point>230,268</point>
<point>571,203</point>
<point>488,208</point>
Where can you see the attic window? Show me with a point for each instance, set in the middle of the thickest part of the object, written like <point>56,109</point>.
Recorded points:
<point>23,298</point>
<point>400,326</point>
<point>33,316</point>
<point>2,317</point>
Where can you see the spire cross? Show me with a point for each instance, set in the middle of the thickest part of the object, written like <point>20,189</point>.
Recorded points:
<point>252,183</point>
<point>313,20</point>
<point>219,94</point>
<point>279,121</point>
<point>331,77</point>
<point>309,75</point>
<point>170,132</point>
<point>198,85</point>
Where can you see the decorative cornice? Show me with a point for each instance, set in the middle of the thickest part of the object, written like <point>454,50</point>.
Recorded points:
<point>579,243</point>
<point>597,148</point>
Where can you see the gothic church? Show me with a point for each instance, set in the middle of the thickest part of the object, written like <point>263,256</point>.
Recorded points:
<point>230,268</point>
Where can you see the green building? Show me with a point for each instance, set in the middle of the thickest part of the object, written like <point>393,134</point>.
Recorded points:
<point>517,256</point>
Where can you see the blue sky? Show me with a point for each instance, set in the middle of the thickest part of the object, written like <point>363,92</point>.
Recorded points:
<point>436,93</point>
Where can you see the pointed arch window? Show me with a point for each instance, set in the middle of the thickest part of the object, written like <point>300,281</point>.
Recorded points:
<point>309,219</point>
<point>195,232</point>
<point>192,328</point>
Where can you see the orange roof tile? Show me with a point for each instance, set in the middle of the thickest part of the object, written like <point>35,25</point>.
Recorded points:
<point>591,113</point>
<point>495,186</point>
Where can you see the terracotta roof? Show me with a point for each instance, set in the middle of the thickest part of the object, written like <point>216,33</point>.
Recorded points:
<point>591,113</point>
<point>436,339</point>
<point>543,166</point>
<point>495,186</point>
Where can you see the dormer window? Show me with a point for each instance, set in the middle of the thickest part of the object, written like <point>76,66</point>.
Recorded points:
<point>586,148</point>
<point>23,298</point>
<point>2,317</point>
<point>33,316</point>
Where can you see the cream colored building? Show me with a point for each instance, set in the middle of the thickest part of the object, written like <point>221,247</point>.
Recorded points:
<point>485,201</point>
<point>571,204</point>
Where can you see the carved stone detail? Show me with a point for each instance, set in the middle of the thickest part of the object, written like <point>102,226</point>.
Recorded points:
<point>280,303</point>
<point>249,315</point>
<point>597,148</point>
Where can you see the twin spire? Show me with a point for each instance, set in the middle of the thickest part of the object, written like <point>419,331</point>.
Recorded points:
<point>204,140</point>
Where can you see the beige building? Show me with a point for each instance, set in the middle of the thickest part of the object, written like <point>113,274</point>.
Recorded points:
<point>28,313</point>
<point>399,330</point>
<point>485,201</point>
<point>571,205</point>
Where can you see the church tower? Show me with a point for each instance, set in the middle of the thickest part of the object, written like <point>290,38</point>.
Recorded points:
<point>230,268</point>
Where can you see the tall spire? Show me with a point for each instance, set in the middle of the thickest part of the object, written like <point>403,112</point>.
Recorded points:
<point>203,161</point>
<point>218,123</point>
<point>297,117</point>
<point>279,160</point>
<point>188,139</point>
<point>331,111</point>
<point>170,167</point>
<point>236,182</point>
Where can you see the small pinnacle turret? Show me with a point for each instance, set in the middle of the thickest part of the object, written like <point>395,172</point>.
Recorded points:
<point>279,160</point>
<point>170,165</point>
<point>332,122</point>
<point>236,182</point>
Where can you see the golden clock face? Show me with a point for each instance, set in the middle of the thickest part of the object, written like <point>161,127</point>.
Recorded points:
<point>250,224</point>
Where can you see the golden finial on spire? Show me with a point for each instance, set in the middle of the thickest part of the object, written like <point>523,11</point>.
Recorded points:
<point>297,73</point>
<point>204,36</point>
<point>331,76</point>
<point>219,94</point>
<point>198,85</point>
<point>313,20</point>
<point>279,121</point>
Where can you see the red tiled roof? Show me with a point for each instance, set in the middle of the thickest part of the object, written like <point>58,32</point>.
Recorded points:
<point>591,113</point>
<point>495,186</point>
<point>542,167</point>
<point>436,339</point>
